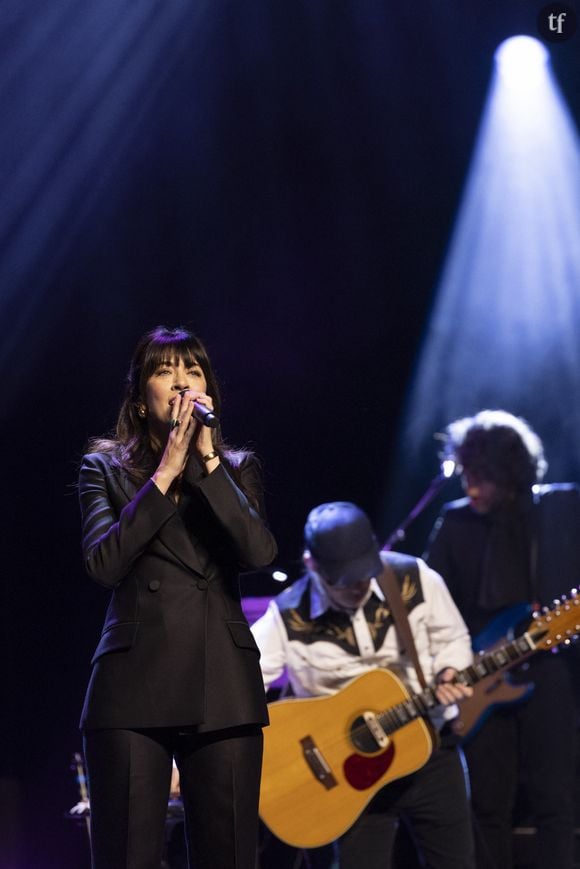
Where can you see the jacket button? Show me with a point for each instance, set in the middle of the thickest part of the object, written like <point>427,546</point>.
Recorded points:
<point>202,584</point>
<point>154,585</point>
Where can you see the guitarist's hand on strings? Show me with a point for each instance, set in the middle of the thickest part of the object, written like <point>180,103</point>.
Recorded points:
<point>449,691</point>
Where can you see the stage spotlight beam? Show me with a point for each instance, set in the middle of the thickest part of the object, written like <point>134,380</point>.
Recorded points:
<point>506,314</point>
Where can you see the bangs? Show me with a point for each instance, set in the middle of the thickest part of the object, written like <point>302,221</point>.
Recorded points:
<point>171,350</point>
<point>172,346</point>
<point>168,346</point>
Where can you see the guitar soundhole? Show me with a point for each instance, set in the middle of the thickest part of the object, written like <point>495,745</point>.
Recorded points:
<point>363,772</point>
<point>362,738</point>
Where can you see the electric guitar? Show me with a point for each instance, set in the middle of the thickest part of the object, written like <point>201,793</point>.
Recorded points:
<point>326,757</point>
<point>497,689</point>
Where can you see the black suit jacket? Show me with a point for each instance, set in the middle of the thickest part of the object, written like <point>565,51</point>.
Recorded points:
<point>175,649</point>
<point>458,549</point>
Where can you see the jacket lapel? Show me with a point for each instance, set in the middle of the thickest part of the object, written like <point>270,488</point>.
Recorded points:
<point>172,536</point>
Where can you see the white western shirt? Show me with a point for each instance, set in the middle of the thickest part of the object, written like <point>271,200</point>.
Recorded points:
<point>323,665</point>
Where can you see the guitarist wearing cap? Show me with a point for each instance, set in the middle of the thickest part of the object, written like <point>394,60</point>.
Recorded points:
<point>336,624</point>
<point>513,541</point>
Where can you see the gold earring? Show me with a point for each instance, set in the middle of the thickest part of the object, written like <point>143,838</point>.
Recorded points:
<point>142,411</point>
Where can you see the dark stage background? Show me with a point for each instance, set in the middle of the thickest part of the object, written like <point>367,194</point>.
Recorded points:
<point>282,177</point>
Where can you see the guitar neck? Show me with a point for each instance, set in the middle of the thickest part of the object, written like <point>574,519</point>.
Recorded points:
<point>419,705</point>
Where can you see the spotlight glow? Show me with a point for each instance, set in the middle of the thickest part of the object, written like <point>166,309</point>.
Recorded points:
<point>279,575</point>
<point>448,468</point>
<point>521,60</point>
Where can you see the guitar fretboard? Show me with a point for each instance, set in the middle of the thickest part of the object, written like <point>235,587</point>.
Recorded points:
<point>418,705</point>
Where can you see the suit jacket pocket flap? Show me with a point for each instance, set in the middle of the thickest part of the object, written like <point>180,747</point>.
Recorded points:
<point>116,638</point>
<point>242,636</point>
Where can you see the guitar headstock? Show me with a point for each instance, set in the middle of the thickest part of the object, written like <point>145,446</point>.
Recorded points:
<point>557,624</point>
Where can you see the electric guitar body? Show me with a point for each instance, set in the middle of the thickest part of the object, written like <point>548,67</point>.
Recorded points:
<point>498,689</point>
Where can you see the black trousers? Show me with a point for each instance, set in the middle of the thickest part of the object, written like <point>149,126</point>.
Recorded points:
<point>529,746</point>
<point>434,802</point>
<point>129,777</point>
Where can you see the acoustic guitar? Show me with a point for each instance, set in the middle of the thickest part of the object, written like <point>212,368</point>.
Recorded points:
<point>326,757</point>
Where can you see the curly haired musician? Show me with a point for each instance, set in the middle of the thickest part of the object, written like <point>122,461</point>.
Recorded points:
<point>335,624</point>
<point>512,541</point>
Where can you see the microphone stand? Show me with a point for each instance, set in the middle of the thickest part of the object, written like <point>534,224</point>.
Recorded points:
<point>435,486</point>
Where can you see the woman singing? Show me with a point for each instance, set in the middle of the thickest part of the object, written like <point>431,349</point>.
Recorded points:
<point>170,516</point>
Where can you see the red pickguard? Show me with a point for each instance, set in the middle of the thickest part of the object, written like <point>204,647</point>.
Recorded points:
<point>363,772</point>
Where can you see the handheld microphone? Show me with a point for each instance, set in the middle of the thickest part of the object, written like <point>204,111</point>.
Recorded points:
<point>204,415</point>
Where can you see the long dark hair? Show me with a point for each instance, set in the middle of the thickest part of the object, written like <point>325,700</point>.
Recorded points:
<point>130,445</point>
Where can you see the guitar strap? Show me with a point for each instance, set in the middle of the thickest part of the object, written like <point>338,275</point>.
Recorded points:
<point>390,588</point>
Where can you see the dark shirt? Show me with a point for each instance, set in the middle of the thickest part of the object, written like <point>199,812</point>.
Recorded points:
<point>462,548</point>
<point>530,553</point>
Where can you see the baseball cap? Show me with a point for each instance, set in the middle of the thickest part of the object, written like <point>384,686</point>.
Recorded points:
<point>340,538</point>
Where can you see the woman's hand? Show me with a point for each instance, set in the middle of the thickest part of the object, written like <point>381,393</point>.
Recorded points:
<point>183,429</point>
<point>202,435</point>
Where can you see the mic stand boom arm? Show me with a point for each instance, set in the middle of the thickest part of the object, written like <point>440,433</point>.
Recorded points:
<point>435,486</point>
